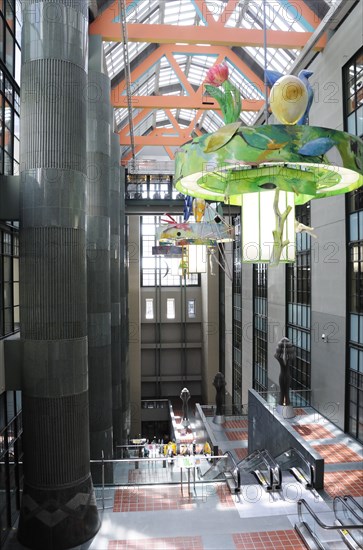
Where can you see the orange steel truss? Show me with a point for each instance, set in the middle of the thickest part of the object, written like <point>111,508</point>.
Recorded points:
<point>190,40</point>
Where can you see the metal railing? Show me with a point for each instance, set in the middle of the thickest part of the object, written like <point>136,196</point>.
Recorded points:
<point>348,526</point>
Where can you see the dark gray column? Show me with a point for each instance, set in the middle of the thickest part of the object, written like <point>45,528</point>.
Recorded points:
<point>125,372</point>
<point>58,508</point>
<point>115,290</point>
<point>98,266</point>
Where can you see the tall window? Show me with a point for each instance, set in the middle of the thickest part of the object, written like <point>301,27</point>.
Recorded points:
<point>260,327</point>
<point>353,94</point>
<point>157,270</point>
<point>298,287</point>
<point>9,281</point>
<point>237,316</point>
<point>355,315</point>
<point>10,27</point>
<point>353,110</point>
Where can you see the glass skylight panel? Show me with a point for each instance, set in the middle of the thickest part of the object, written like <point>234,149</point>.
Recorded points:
<point>180,12</point>
<point>138,12</point>
<point>187,114</point>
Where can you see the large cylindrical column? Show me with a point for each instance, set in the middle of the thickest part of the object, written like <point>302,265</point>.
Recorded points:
<point>98,266</point>
<point>115,290</point>
<point>58,508</point>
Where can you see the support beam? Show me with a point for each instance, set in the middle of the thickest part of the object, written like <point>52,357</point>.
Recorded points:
<point>182,102</point>
<point>217,35</point>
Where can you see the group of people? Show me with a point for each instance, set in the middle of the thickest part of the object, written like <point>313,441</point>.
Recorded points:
<point>169,450</point>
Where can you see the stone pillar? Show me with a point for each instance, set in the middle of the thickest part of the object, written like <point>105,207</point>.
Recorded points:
<point>58,508</point>
<point>98,267</point>
<point>115,290</point>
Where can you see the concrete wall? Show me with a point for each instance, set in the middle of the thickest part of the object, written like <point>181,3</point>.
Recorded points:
<point>268,430</point>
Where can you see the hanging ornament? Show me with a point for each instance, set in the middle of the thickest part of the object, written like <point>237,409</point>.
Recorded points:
<point>198,209</point>
<point>288,99</point>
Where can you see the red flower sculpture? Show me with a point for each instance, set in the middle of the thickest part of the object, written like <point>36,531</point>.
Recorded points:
<point>217,75</point>
<point>218,86</point>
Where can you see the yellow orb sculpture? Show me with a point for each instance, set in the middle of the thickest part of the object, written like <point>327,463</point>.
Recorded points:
<point>288,99</point>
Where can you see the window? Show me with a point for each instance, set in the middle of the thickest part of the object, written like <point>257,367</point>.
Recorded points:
<point>170,308</point>
<point>237,318</point>
<point>298,299</point>
<point>260,327</point>
<point>9,282</point>
<point>149,308</point>
<point>158,270</point>
<point>191,309</point>
<point>353,94</point>
<point>354,422</point>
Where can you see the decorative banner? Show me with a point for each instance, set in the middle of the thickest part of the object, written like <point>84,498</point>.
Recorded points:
<point>182,234</point>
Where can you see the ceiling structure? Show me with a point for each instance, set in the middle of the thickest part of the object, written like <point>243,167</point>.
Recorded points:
<point>158,53</point>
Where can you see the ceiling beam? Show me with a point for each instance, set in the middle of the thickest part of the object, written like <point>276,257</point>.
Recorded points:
<point>226,36</point>
<point>180,102</point>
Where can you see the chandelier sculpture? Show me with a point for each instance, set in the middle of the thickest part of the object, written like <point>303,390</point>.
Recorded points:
<point>268,169</point>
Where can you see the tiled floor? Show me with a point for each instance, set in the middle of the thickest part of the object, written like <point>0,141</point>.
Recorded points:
<point>344,483</point>
<point>150,499</point>
<point>269,540</point>
<point>236,424</point>
<point>313,431</point>
<point>241,453</point>
<point>338,453</point>
<point>171,543</point>
<point>234,436</point>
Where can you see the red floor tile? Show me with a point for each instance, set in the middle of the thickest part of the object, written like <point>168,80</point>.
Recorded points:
<point>337,453</point>
<point>241,453</point>
<point>313,431</point>
<point>349,482</point>
<point>224,495</point>
<point>235,424</point>
<point>169,543</point>
<point>268,540</point>
<point>300,411</point>
<point>141,499</point>
<point>235,436</point>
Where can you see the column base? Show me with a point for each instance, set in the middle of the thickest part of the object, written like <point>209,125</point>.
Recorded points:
<point>58,519</point>
<point>286,411</point>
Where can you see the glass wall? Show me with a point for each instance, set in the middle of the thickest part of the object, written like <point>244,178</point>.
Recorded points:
<point>298,288</point>
<point>237,317</point>
<point>260,327</point>
<point>353,111</point>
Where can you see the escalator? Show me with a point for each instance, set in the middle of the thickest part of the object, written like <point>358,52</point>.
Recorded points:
<point>293,461</point>
<point>259,466</point>
<point>213,469</point>
<point>347,527</point>
<point>348,511</point>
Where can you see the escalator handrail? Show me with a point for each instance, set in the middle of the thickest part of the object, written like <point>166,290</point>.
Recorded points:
<point>347,506</point>
<point>302,502</point>
<point>248,457</point>
<point>354,501</point>
<point>236,469</point>
<point>309,466</point>
<point>273,468</point>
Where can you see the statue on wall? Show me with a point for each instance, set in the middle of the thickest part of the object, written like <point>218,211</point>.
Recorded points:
<point>219,383</point>
<point>185,396</point>
<point>285,355</point>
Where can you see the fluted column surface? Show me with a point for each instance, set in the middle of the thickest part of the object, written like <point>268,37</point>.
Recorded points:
<point>58,508</point>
